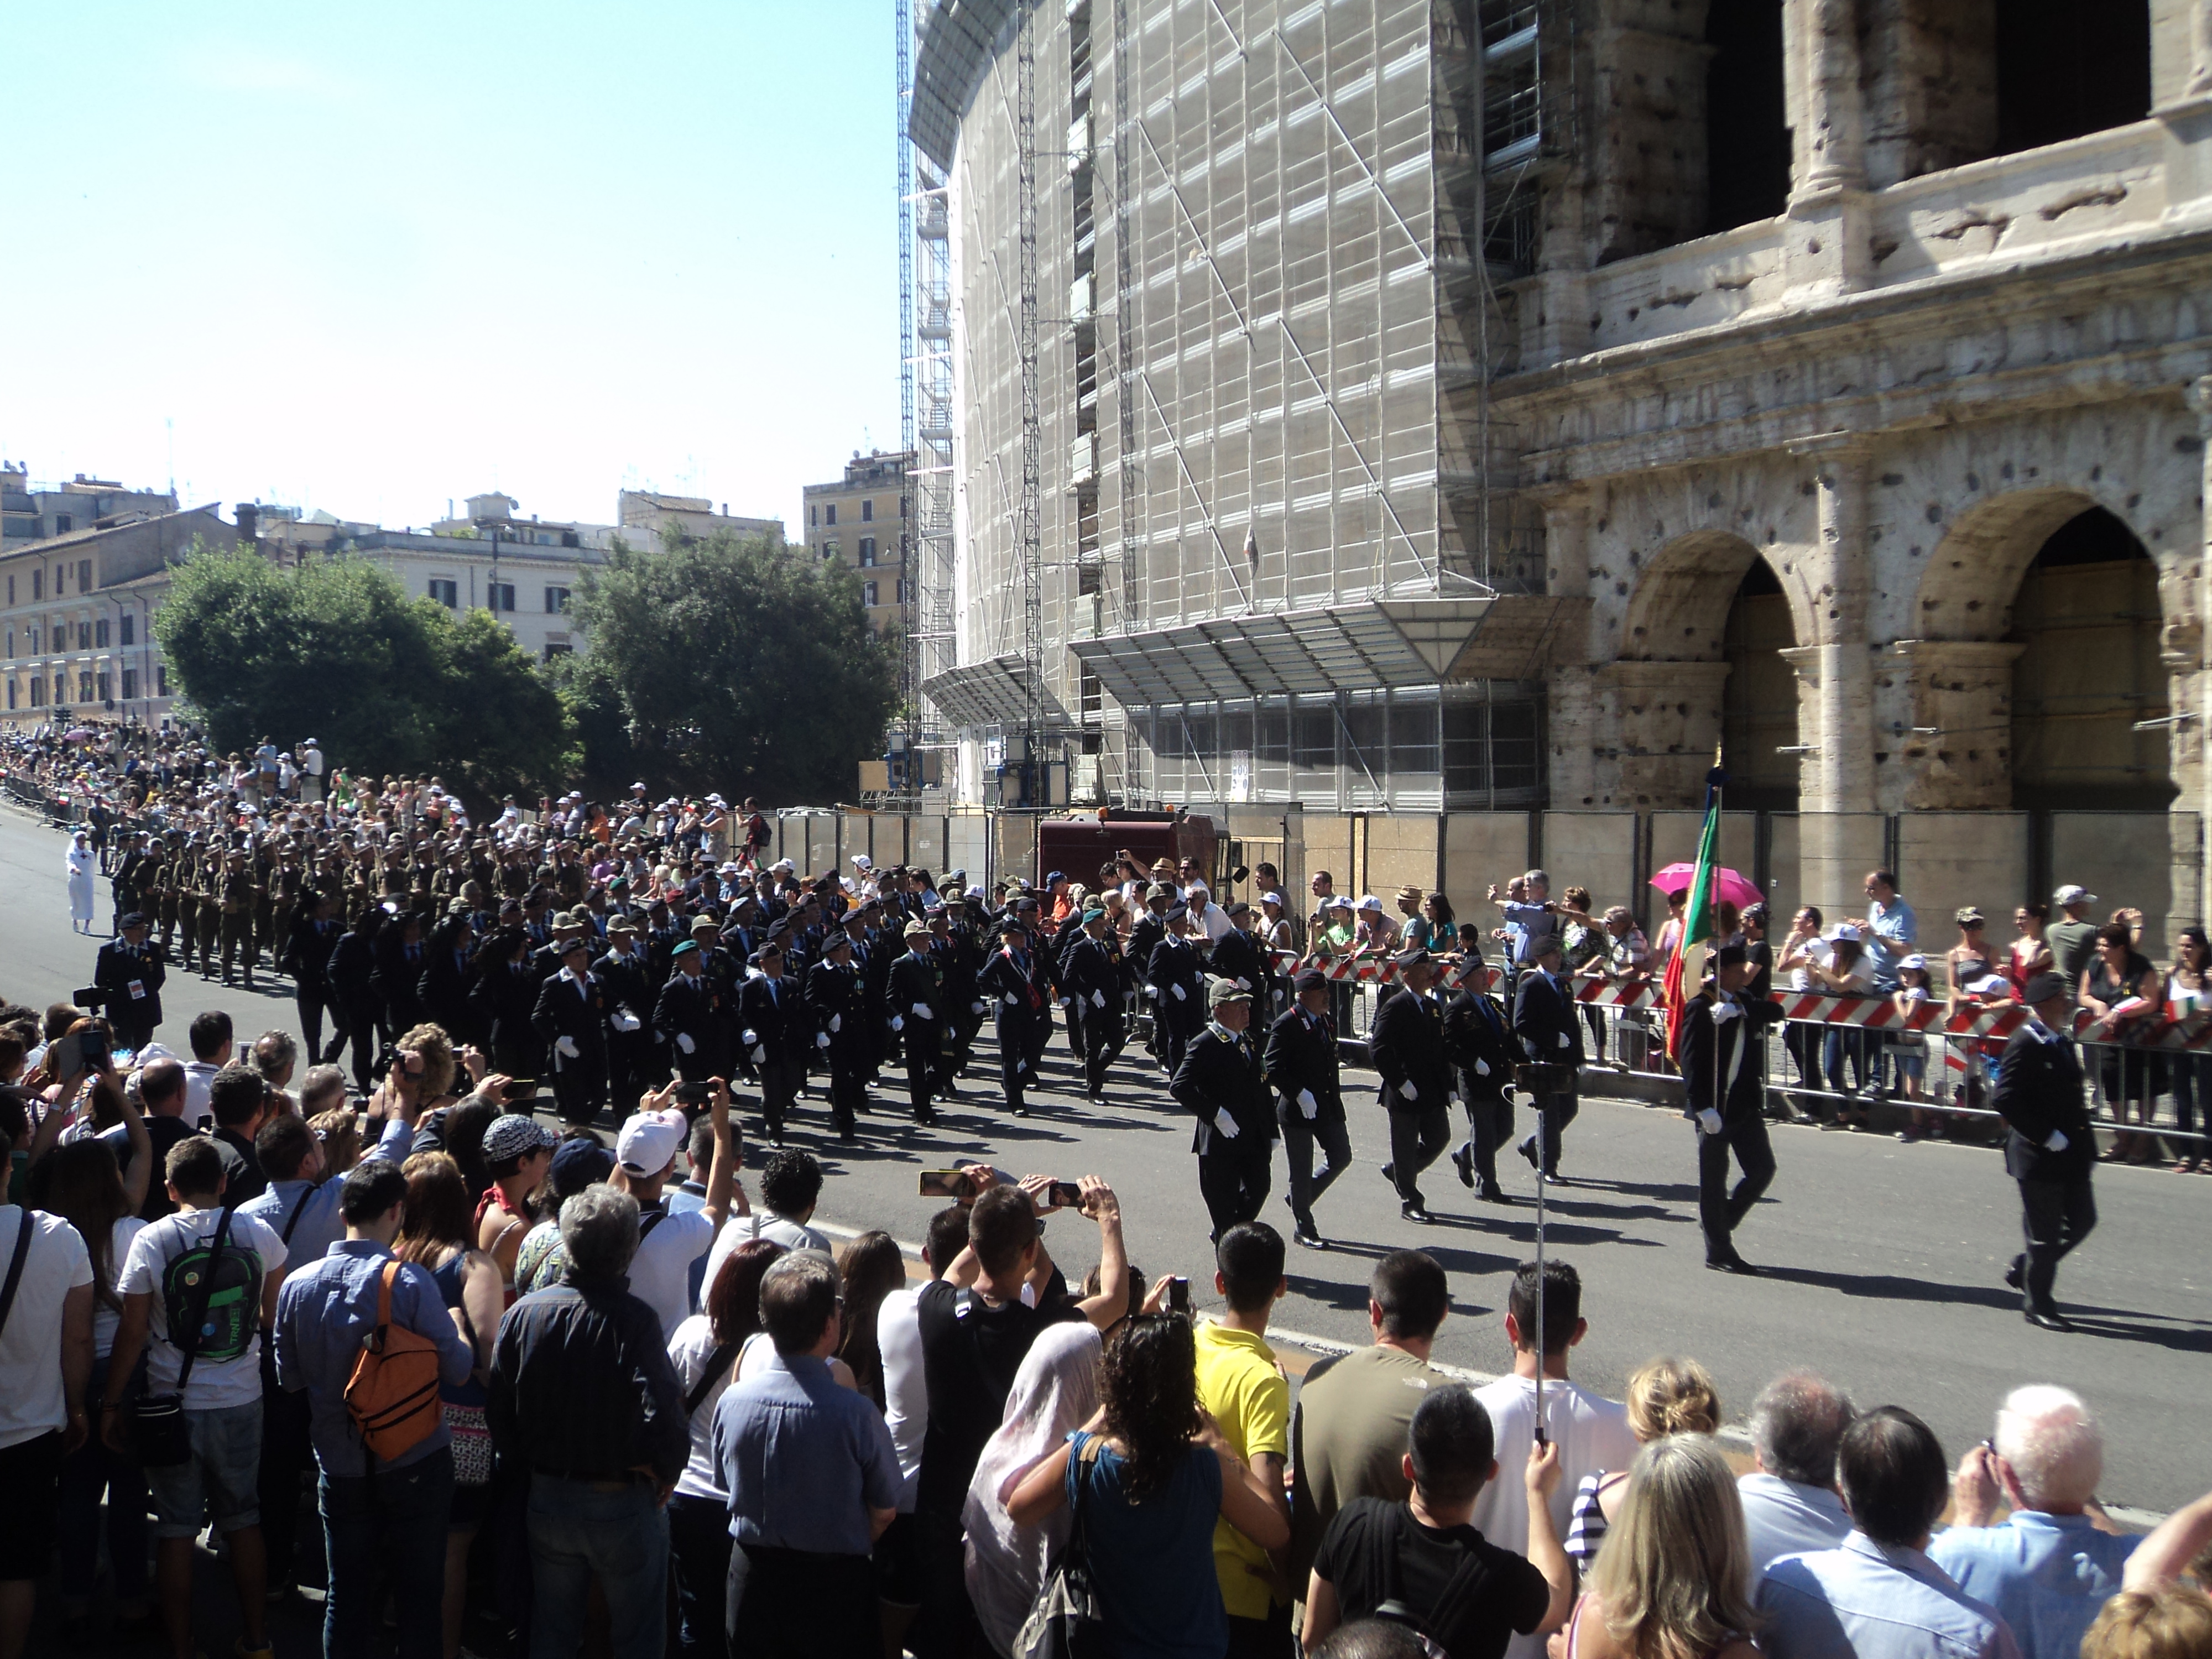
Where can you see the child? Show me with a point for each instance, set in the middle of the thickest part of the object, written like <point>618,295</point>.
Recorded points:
<point>1911,1046</point>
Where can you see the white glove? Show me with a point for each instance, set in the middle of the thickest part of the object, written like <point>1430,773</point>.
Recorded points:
<point>898,1024</point>
<point>1012,1000</point>
<point>567,1045</point>
<point>1564,1043</point>
<point>1724,1012</point>
<point>922,1010</point>
<point>751,1037</point>
<point>1243,984</point>
<point>822,1039</point>
<point>1098,997</point>
<point>1407,1090</point>
<point>684,1042</point>
<point>836,1022</point>
<point>2057,1143</point>
<point>1307,1104</point>
<point>1181,995</point>
<point>1227,1125</point>
<point>979,1007</point>
<point>1022,1064</point>
<point>626,1022</point>
<point>760,1054</point>
<point>1709,1121</point>
<point>1482,1068</point>
<point>1066,1002</point>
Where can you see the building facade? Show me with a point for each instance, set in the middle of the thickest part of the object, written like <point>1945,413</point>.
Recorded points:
<point>35,511</point>
<point>1448,404</point>
<point>865,519</point>
<point>77,612</point>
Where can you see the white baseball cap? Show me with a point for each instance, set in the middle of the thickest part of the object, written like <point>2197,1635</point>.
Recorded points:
<point>2071,894</point>
<point>648,1142</point>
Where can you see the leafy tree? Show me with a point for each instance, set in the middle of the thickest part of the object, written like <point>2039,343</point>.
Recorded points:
<point>739,664</point>
<point>334,648</point>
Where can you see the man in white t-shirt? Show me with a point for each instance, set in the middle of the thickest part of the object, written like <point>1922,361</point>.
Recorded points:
<point>1591,1432</point>
<point>791,1182</point>
<point>175,1273</point>
<point>898,1557</point>
<point>210,1035</point>
<point>670,1241</point>
<point>45,1362</point>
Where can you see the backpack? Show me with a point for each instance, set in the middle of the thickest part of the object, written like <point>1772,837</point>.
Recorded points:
<point>221,1279</point>
<point>392,1395</point>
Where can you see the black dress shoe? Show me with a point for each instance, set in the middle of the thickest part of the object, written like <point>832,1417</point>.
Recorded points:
<point>1528,1150</point>
<point>1390,1173</point>
<point>2049,1320</point>
<point>1463,1161</point>
<point>1494,1195</point>
<point>2013,1275</point>
<point>1412,1210</point>
<point>1731,1264</point>
<point>1307,1233</point>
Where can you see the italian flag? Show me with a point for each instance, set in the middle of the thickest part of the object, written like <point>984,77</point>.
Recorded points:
<point>1697,916</point>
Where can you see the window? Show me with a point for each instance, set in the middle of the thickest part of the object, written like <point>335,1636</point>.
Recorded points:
<point>11,691</point>
<point>99,634</point>
<point>11,642</point>
<point>100,684</point>
<point>84,687</point>
<point>38,690</point>
<point>830,513</point>
<point>129,624</point>
<point>84,575</point>
<point>868,594</point>
<point>39,583</point>
<point>813,514</point>
<point>84,636</point>
<point>556,601</point>
<point>556,648</point>
<point>829,549</point>
<point>162,679</point>
<point>499,596</point>
<point>11,595</point>
<point>62,525</point>
<point>1313,732</point>
<point>447,592</point>
<point>867,551</point>
<point>902,590</point>
<point>130,685</point>
<point>867,509</point>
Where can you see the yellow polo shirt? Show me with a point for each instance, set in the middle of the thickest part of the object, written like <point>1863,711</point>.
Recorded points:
<point>1240,1383</point>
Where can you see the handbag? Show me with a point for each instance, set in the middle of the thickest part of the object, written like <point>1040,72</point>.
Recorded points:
<point>469,1428</point>
<point>159,1434</point>
<point>1067,1621</point>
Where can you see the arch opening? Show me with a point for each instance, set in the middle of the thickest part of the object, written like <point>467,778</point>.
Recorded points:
<point>2086,617</point>
<point>1758,702</point>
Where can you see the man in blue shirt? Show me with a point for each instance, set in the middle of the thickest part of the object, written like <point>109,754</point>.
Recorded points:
<point>1877,1595</point>
<point>813,1482</point>
<point>1790,1501</point>
<point>2047,1569</point>
<point>1890,928</point>
<point>394,1516</point>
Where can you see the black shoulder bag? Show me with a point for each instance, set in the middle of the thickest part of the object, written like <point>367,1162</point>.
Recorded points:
<point>27,1226</point>
<point>159,1433</point>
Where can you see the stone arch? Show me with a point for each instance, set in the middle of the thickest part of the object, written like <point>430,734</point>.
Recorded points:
<point>1680,609</point>
<point>1966,591</point>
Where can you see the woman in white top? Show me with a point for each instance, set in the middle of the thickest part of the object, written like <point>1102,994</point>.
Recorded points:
<point>1800,952</point>
<point>1849,971</point>
<point>80,1183</point>
<point>1055,1391</point>
<point>82,862</point>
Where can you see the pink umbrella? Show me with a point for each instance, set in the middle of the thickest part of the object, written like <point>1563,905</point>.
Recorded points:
<point>1676,879</point>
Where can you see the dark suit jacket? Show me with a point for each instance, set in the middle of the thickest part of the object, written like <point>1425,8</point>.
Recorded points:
<point>1029,1014</point>
<point>1744,1097</point>
<point>836,992</point>
<point>1300,1053</point>
<point>115,970</point>
<point>1174,962</point>
<point>1543,1013</point>
<point>1219,1075</point>
<point>565,1011</point>
<point>1406,1044</point>
<point>2038,1089</point>
<point>691,1007</point>
<point>915,979</point>
<point>1479,1042</point>
<point>779,1020</point>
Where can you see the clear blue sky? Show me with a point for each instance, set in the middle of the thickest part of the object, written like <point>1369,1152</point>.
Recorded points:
<point>368,257</point>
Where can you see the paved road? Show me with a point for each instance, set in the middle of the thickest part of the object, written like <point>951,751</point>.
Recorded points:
<point>1884,1259</point>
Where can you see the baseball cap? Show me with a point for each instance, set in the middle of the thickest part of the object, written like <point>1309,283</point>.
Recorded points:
<point>2071,894</point>
<point>648,1141</point>
<point>1916,960</point>
<point>1966,913</point>
<point>1369,902</point>
<point>1219,991</point>
<point>1844,930</point>
<point>578,1164</point>
<point>513,1135</point>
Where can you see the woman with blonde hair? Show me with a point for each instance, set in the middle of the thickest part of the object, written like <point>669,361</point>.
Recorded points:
<point>1673,1580</point>
<point>1666,1396</point>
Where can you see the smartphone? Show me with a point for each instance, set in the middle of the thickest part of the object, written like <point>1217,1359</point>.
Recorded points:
<point>522,1088</point>
<point>694,1094</point>
<point>74,1052</point>
<point>1065,1193</point>
<point>1179,1294</point>
<point>207,1122</point>
<point>944,1183</point>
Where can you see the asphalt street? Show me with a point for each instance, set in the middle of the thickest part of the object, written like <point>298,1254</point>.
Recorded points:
<point>1883,1261</point>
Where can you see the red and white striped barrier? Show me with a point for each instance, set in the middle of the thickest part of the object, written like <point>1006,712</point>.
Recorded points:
<point>1598,994</point>
<point>1869,1013</point>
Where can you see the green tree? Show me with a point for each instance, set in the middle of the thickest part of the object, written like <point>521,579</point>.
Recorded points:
<point>334,648</point>
<point>739,664</point>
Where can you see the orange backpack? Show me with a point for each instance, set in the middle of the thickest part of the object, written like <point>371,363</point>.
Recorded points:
<point>392,1395</point>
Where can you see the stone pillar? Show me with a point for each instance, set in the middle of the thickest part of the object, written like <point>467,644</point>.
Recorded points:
<point>1840,829</point>
<point>1571,734</point>
<point>1961,698</point>
<point>1824,249</point>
